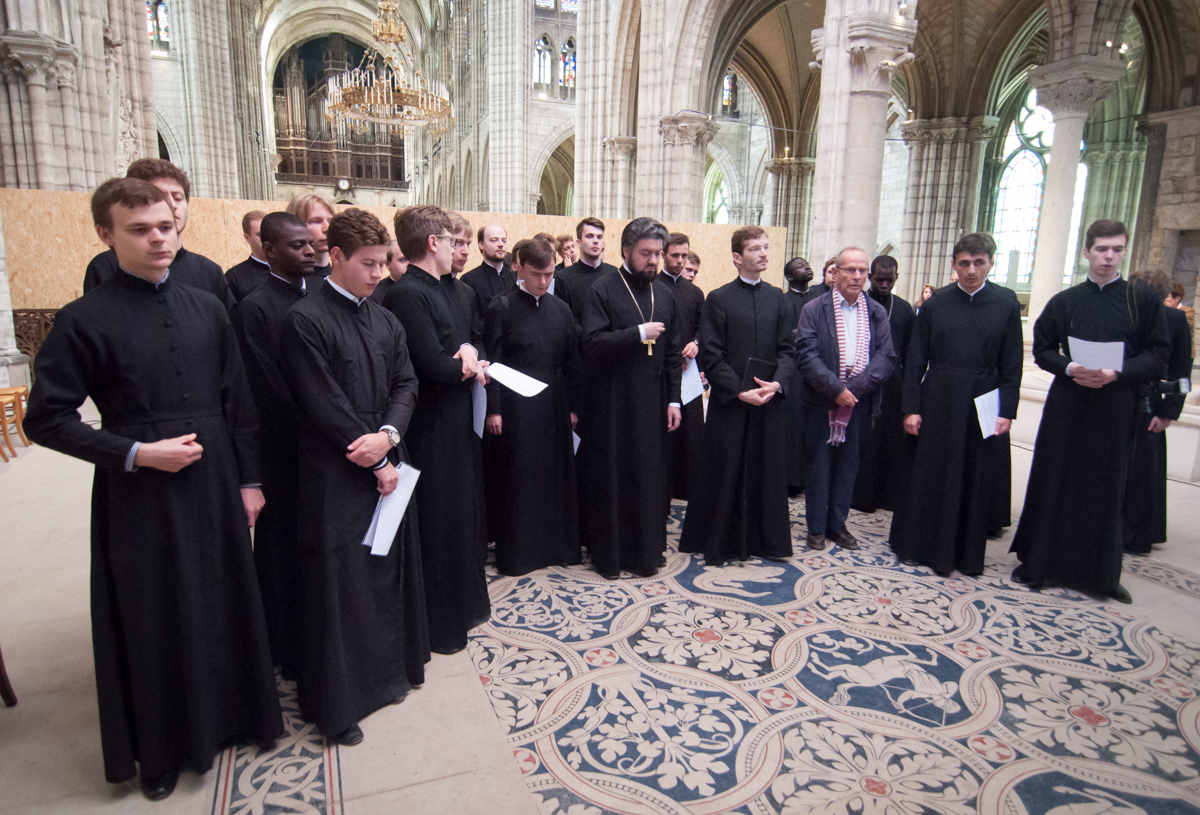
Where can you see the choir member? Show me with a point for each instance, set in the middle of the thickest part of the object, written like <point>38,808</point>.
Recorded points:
<point>1146,492</point>
<point>344,357</point>
<point>886,450</point>
<point>844,352</point>
<point>798,275</point>
<point>533,332</point>
<point>494,275</point>
<point>692,267</point>
<point>1070,532</point>
<point>966,342</point>
<point>258,322</point>
<point>631,401</point>
<point>578,278</point>
<point>441,437</point>
<point>684,448</point>
<point>183,666</point>
<point>739,506</point>
<point>188,268</point>
<point>568,249</point>
<point>316,212</point>
<point>247,275</point>
<point>397,265</point>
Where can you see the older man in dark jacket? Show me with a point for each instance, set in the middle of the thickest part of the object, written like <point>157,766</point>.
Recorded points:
<point>844,354</point>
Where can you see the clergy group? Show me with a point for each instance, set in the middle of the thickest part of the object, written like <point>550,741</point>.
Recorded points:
<point>287,395</point>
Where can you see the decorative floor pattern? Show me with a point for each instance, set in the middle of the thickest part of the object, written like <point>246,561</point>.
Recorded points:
<point>1164,574</point>
<point>301,775</point>
<point>837,682</point>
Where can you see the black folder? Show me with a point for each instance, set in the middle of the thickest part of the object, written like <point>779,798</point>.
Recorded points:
<point>757,368</point>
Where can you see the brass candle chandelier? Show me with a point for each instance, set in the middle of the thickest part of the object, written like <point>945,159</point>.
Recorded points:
<point>382,91</point>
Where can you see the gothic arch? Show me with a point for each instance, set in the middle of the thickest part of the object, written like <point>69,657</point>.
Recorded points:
<point>546,150</point>
<point>470,195</point>
<point>171,138</point>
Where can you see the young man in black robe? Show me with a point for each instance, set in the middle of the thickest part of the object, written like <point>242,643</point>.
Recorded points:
<point>188,268</point>
<point>844,353</point>
<point>397,265</point>
<point>494,276</point>
<point>363,634</point>
<point>533,332</point>
<point>1071,529</point>
<point>631,401</point>
<point>441,436</point>
<point>798,275</point>
<point>684,448</point>
<point>886,450</point>
<point>251,272</point>
<point>577,279</point>
<point>183,666</point>
<point>739,508</point>
<point>316,212</point>
<point>1146,492</point>
<point>258,322</point>
<point>966,342</point>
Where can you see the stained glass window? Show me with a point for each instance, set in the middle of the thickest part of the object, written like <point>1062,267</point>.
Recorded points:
<point>729,95</point>
<point>158,25</point>
<point>541,64</point>
<point>566,70</point>
<point>1019,196</point>
<point>545,4</point>
<point>570,6</point>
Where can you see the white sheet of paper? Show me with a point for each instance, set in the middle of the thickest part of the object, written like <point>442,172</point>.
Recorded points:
<point>692,386</point>
<point>1097,356</point>
<point>514,380</point>
<point>479,403</point>
<point>575,438</point>
<point>389,512</point>
<point>988,408</point>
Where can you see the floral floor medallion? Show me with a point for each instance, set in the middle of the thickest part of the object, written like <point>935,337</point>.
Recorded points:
<point>838,683</point>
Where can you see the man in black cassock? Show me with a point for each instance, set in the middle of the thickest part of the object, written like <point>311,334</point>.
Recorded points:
<point>966,342</point>
<point>844,353</point>
<point>533,332</point>
<point>1146,491</point>
<point>1071,529</point>
<point>798,275</point>
<point>685,447</point>
<point>631,401</point>
<point>183,666</point>
<point>258,322</point>
<point>364,638</point>
<point>246,276</point>
<point>886,451</point>
<point>188,268</point>
<point>739,507</point>
<point>494,276</point>
<point>441,437</point>
<point>577,279</point>
<point>316,212</point>
<point>397,266</point>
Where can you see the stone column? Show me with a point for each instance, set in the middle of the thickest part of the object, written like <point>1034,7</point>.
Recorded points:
<point>33,56</point>
<point>789,205</point>
<point>1113,189</point>
<point>945,172</point>
<point>1156,143</point>
<point>76,164</point>
<point>1068,89</point>
<point>510,52</point>
<point>14,366</point>
<point>620,150</point>
<point>858,51</point>
<point>685,138</point>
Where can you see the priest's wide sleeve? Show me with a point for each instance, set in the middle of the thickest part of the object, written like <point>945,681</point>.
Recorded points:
<point>600,338</point>
<point>916,363</point>
<point>305,367</point>
<point>673,356</point>
<point>1050,336</point>
<point>1011,364</point>
<point>725,381</point>
<point>65,368</point>
<point>237,403</point>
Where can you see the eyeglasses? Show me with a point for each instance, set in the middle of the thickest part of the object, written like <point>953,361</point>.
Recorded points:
<point>446,237</point>
<point>461,242</point>
<point>853,269</point>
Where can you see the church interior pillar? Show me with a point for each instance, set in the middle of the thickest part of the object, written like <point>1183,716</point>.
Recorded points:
<point>509,52</point>
<point>1113,189</point>
<point>685,140</point>
<point>789,204</point>
<point>621,150</point>
<point>1068,89</point>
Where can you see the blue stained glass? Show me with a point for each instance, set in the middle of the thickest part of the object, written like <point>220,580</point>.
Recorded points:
<point>571,6</point>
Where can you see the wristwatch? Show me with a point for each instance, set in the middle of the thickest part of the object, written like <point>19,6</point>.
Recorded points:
<point>393,436</point>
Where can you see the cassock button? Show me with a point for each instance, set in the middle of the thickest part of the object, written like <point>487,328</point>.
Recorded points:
<point>166,323</point>
<point>186,396</point>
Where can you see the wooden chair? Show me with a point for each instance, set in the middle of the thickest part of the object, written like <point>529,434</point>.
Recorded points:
<point>6,689</point>
<point>8,400</point>
<point>22,394</point>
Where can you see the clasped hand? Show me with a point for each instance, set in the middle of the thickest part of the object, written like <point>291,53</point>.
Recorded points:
<point>368,450</point>
<point>1090,378</point>
<point>762,394</point>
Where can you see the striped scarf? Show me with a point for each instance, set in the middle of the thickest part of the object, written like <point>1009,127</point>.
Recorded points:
<point>839,417</point>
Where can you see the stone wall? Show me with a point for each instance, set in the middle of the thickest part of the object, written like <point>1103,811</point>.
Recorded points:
<point>1177,208</point>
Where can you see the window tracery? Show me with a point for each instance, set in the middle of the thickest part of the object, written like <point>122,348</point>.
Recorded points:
<point>158,25</point>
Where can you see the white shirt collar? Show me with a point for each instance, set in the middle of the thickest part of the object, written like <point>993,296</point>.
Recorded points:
<point>258,260</point>
<point>358,301</point>
<point>161,280</point>
<point>674,277</point>
<point>971,294</point>
<point>536,298</point>
<point>302,284</point>
<point>1102,285</point>
<point>498,269</point>
<point>843,302</point>
<point>748,281</point>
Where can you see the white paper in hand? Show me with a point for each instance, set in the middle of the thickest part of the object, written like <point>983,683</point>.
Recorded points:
<point>479,403</point>
<point>988,408</point>
<point>692,386</point>
<point>389,512</point>
<point>1096,356</point>
<point>514,380</point>
<point>575,439</point>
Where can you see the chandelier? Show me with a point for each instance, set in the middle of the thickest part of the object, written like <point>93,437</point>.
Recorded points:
<point>382,90</point>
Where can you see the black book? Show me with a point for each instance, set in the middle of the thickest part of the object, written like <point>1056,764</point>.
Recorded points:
<point>760,368</point>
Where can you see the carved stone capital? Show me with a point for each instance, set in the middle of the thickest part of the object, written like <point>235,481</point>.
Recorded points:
<point>1071,86</point>
<point>621,147</point>
<point>37,57</point>
<point>878,45</point>
<point>818,47</point>
<point>790,167</point>
<point>952,129</point>
<point>688,128</point>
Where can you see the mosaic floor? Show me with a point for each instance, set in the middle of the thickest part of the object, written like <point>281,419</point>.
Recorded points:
<point>839,682</point>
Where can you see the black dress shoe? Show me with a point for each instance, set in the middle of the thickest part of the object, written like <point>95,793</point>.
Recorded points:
<point>942,574</point>
<point>1121,595</point>
<point>910,562</point>
<point>816,542</point>
<point>156,789</point>
<point>1019,576</point>
<point>349,737</point>
<point>843,539</point>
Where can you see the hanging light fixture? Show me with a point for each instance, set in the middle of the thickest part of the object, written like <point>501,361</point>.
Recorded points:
<point>382,90</point>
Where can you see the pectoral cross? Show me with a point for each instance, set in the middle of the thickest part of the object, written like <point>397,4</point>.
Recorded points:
<point>649,347</point>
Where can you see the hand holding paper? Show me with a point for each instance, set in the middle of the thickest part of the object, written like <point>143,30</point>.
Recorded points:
<point>389,512</point>
<point>692,387</point>
<point>1097,356</point>
<point>988,408</point>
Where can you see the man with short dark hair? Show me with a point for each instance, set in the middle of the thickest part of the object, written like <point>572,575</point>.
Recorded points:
<point>577,279</point>
<point>886,450</point>
<point>692,267</point>
<point>346,361</point>
<point>631,344</point>
<point>188,268</point>
<point>247,275</point>
<point>1070,532</point>
<point>258,322</point>
<point>739,506</point>
<point>844,352</point>
<point>684,447</point>
<point>494,276</point>
<point>441,437</point>
<point>183,666</point>
<point>966,342</point>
